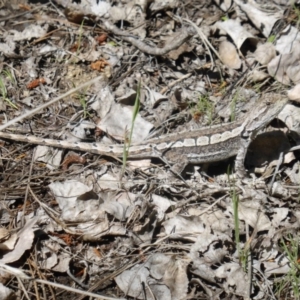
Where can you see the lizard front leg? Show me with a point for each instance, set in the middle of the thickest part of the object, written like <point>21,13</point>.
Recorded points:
<point>240,158</point>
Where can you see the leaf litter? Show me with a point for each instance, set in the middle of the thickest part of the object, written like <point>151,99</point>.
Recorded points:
<point>71,225</point>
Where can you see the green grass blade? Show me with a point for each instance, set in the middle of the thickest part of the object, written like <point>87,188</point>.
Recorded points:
<point>127,142</point>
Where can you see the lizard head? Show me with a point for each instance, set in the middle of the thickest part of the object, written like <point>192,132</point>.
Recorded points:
<point>264,111</point>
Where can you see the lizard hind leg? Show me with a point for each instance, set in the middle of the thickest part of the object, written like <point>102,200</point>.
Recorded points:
<point>177,168</point>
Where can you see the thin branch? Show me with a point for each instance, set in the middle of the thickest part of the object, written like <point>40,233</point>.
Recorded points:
<point>185,34</point>
<point>70,92</point>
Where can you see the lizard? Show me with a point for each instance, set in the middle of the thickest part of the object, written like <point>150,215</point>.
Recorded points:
<point>198,146</point>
